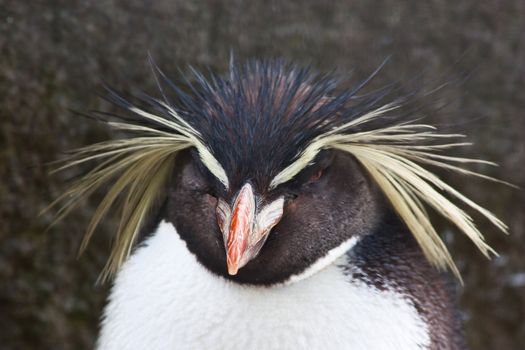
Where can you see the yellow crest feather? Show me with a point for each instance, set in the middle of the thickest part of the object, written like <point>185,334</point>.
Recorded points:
<point>139,168</point>
<point>391,155</point>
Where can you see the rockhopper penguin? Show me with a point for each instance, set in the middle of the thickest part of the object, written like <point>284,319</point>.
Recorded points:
<point>275,211</point>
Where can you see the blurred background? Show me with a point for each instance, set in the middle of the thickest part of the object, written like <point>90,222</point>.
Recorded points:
<point>54,56</point>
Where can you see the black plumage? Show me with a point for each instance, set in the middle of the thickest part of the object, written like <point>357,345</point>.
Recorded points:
<point>262,112</point>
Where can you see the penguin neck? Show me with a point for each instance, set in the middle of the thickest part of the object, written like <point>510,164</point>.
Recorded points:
<point>328,259</point>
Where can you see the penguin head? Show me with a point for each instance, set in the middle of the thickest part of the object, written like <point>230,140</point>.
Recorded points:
<point>272,171</point>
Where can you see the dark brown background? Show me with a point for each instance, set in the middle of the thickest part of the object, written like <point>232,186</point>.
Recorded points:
<point>54,55</point>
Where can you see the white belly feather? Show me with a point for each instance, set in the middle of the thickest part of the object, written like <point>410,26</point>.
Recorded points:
<point>164,299</point>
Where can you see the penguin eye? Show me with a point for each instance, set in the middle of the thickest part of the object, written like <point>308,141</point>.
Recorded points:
<point>316,176</point>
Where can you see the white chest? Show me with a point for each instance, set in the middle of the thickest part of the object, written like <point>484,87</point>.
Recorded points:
<point>164,299</point>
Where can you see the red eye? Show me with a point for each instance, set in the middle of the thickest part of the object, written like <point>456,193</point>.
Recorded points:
<point>315,177</point>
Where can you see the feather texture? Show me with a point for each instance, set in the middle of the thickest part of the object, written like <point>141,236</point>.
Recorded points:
<point>392,155</point>
<point>139,168</point>
<point>289,113</point>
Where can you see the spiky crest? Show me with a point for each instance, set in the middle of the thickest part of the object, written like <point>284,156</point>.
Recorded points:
<point>268,121</point>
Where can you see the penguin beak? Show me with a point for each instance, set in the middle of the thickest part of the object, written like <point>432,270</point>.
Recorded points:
<point>244,229</point>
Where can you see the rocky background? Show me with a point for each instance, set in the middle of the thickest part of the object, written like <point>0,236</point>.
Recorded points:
<point>54,56</point>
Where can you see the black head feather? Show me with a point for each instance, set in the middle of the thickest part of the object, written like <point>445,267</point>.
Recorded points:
<point>261,115</point>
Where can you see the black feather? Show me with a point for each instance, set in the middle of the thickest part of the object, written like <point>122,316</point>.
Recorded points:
<point>261,115</point>
<point>257,118</point>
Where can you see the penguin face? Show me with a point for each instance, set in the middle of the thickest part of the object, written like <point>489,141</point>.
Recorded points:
<point>326,205</point>
<point>261,223</point>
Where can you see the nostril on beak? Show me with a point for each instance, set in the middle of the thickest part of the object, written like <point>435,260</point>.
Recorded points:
<point>243,230</point>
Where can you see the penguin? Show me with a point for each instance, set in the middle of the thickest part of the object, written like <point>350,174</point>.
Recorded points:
<point>269,208</point>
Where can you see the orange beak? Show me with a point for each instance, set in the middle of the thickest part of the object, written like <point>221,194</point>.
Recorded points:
<point>241,226</point>
<point>244,231</point>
